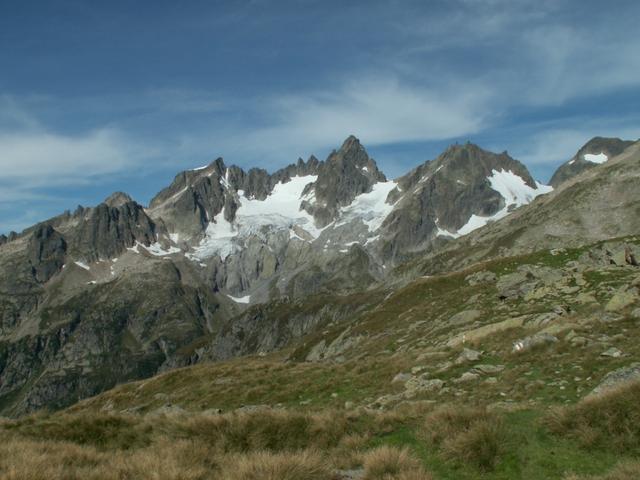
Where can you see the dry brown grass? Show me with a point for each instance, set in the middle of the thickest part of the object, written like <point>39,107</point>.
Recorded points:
<point>391,463</point>
<point>622,471</point>
<point>237,446</point>
<point>467,434</point>
<point>181,460</point>
<point>610,420</point>
<point>304,465</point>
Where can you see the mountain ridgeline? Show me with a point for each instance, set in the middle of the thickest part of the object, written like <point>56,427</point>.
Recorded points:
<point>226,262</point>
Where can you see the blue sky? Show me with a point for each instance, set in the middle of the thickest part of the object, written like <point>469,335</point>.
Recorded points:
<point>104,96</point>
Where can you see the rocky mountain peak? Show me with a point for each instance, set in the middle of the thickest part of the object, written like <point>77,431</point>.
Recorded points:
<point>347,173</point>
<point>471,161</point>
<point>351,144</point>
<point>108,230</point>
<point>352,157</point>
<point>596,151</point>
<point>464,188</point>
<point>117,199</point>
<point>217,166</point>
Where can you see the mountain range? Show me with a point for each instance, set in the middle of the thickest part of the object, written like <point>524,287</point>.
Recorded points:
<point>225,262</point>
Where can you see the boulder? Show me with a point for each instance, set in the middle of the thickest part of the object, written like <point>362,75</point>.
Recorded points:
<point>468,355</point>
<point>423,384</point>
<point>585,298</point>
<point>464,317</point>
<point>467,377</point>
<point>621,300</point>
<point>616,378</point>
<point>480,277</point>
<point>613,352</point>
<point>486,330</point>
<point>401,378</point>
<point>532,341</point>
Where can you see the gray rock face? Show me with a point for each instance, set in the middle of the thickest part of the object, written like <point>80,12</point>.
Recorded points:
<point>103,335</point>
<point>445,193</point>
<point>347,173</point>
<point>72,332</point>
<point>108,230</point>
<point>47,250</point>
<point>196,197</point>
<point>609,146</point>
<point>118,199</point>
<point>193,198</point>
<point>265,328</point>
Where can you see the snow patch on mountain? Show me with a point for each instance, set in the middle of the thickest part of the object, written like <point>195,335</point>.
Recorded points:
<point>158,250</point>
<point>372,207</point>
<point>279,211</point>
<point>515,192</point>
<point>218,240</point>
<point>513,188</point>
<point>245,299</point>
<point>595,158</point>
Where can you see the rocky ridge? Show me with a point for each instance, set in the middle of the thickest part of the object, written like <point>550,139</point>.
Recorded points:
<point>596,151</point>
<point>226,262</point>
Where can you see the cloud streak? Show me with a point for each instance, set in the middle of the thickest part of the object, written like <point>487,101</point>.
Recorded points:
<point>378,110</point>
<point>43,158</point>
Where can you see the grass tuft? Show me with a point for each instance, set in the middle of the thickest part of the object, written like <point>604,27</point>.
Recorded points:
<point>610,420</point>
<point>623,471</point>
<point>468,435</point>
<point>391,463</point>
<point>304,465</point>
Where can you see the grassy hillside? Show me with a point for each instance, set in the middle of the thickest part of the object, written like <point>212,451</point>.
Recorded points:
<point>482,373</point>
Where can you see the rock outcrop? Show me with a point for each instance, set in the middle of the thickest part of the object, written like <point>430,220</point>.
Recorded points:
<point>107,230</point>
<point>46,252</point>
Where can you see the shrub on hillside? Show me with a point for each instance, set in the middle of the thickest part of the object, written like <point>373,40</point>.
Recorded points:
<point>609,420</point>
<point>390,463</point>
<point>467,434</point>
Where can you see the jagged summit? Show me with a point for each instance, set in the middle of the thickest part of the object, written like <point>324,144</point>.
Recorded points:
<point>117,199</point>
<point>347,173</point>
<point>463,189</point>
<point>352,156</point>
<point>223,258</point>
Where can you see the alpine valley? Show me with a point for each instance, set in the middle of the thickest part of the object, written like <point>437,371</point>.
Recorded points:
<point>327,286</point>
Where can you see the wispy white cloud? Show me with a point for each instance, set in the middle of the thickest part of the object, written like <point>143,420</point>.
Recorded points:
<point>567,62</point>
<point>47,158</point>
<point>378,110</point>
<point>462,69</point>
<point>34,156</point>
<point>528,53</point>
